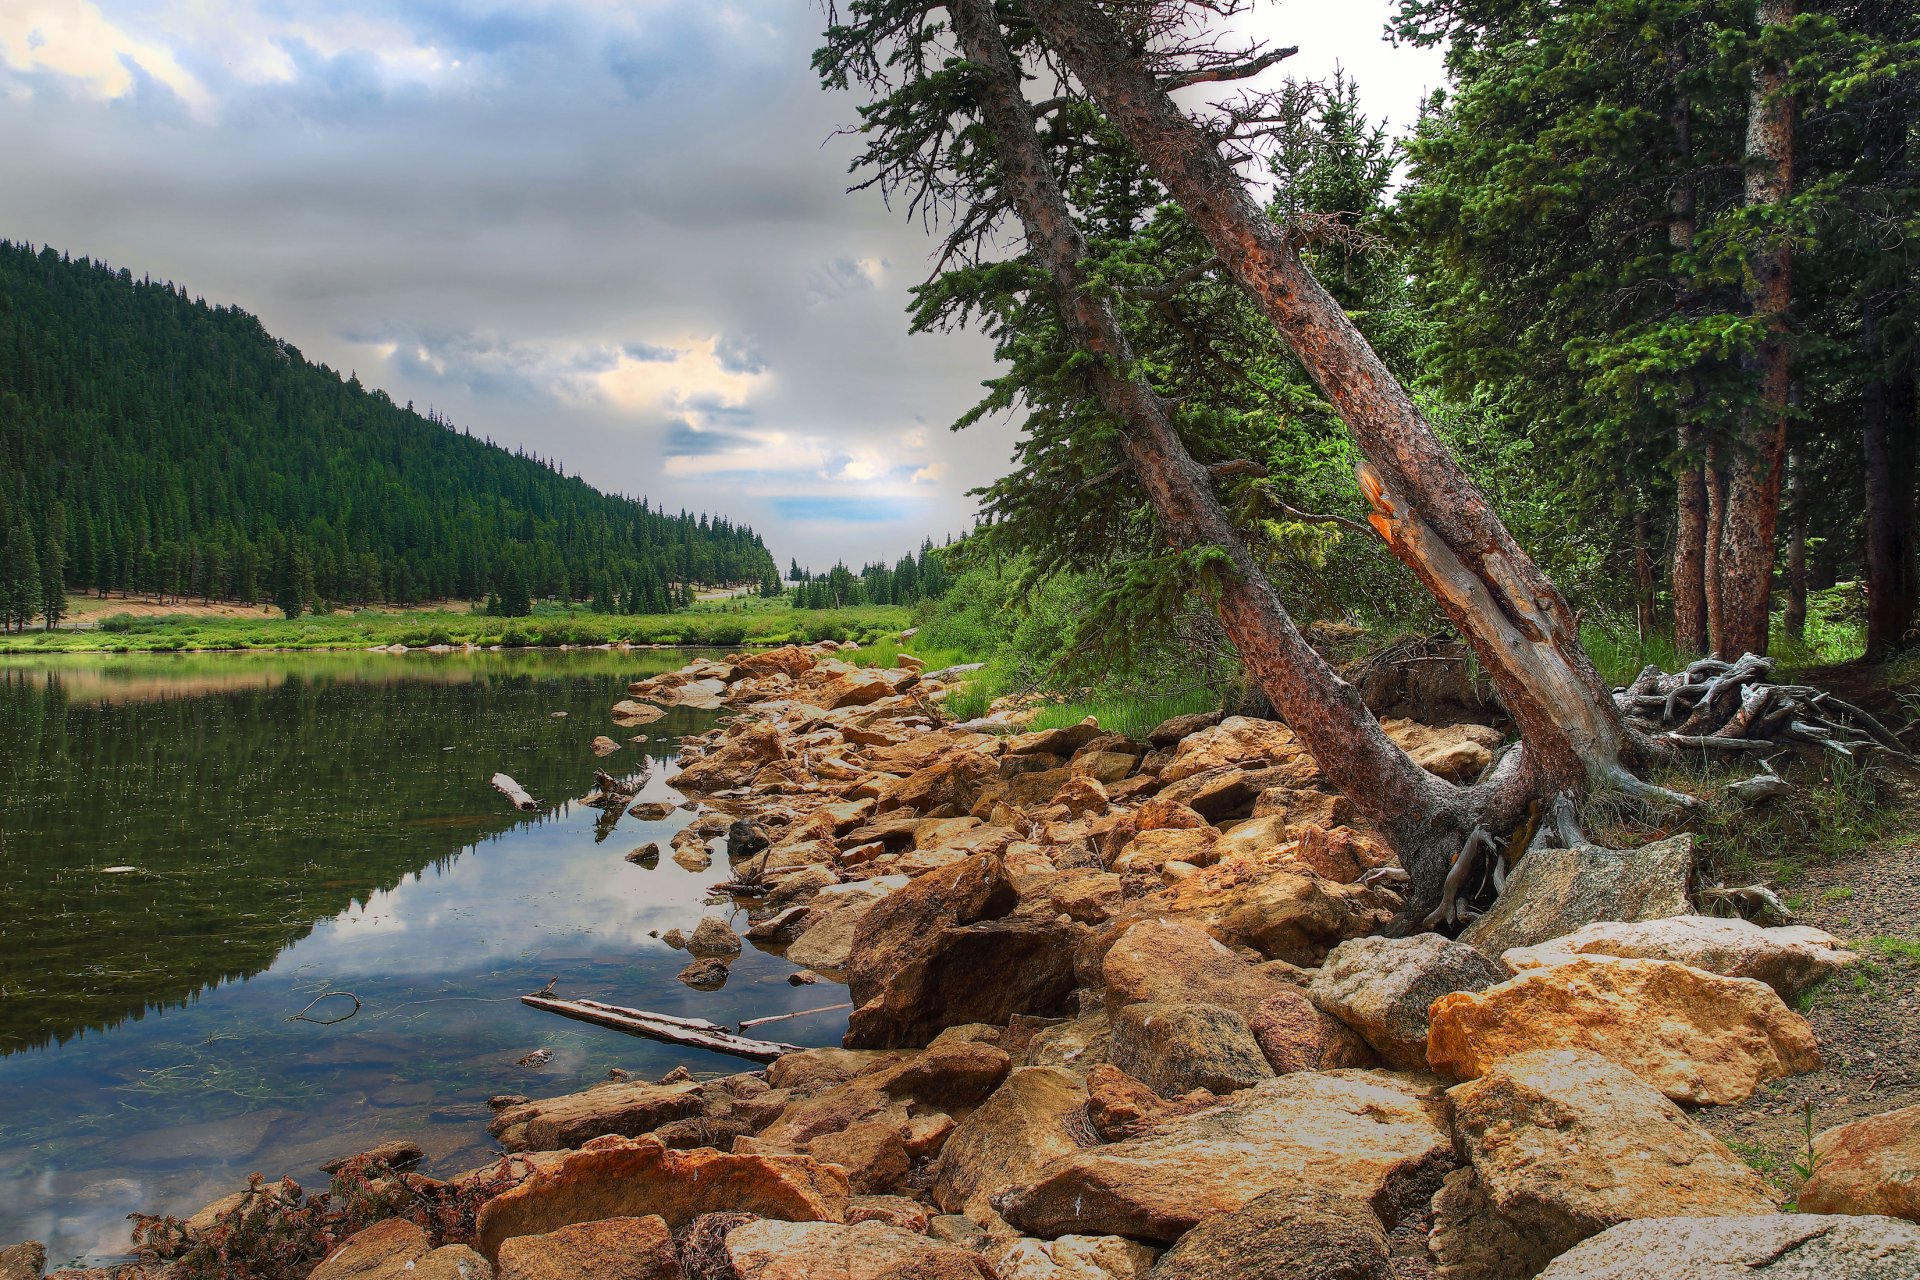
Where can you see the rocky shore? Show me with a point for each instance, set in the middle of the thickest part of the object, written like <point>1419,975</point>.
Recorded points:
<point>1126,1009</point>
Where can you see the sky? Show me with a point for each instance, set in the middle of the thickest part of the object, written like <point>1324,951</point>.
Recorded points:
<point>613,232</point>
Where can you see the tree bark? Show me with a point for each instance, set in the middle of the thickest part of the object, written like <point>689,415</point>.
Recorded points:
<point>1430,514</point>
<point>1643,606</point>
<point>1744,577</point>
<point>1888,429</point>
<point>1690,504</point>
<point>1417,812</point>
<point>1793,621</point>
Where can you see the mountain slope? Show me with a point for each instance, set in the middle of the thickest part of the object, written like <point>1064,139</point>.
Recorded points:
<point>186,451</point>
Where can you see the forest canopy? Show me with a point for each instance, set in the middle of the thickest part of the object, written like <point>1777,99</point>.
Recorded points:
<point>153,443</point>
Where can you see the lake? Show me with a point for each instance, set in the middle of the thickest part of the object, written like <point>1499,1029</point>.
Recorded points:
<point>194,847</point>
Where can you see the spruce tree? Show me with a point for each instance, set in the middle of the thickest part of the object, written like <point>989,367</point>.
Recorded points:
<point>53,568</point>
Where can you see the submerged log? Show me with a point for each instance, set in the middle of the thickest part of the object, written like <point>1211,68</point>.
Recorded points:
<point>694,1033</point>
<point>515,792</point>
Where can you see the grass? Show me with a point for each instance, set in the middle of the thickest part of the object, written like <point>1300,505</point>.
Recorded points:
<point>1134,716</point>
<point>721,623</point>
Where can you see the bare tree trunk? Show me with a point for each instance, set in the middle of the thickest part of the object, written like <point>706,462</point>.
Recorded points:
<point>1793,623</point>
<point>1753,471</point>
<point>1422,816</point>
<point>1690,513</point>
<point>1643,610</point>
<point>1431,515</point>
<point>1887,435</point>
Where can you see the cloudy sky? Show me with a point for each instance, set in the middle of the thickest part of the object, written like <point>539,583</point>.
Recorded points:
<point>613,231</point>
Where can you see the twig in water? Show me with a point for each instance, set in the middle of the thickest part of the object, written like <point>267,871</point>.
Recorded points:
<point>326,1022</point>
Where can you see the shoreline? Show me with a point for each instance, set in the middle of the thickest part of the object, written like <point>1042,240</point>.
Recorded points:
<point>1119,1005</point>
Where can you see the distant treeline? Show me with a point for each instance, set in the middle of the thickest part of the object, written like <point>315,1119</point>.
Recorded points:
<point>909,580</point>
<point>152,443</point>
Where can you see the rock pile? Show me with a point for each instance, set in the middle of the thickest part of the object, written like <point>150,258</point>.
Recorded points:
<point>1122,1010</point>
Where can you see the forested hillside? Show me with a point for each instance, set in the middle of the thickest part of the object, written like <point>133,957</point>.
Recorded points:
<point>150,442</point>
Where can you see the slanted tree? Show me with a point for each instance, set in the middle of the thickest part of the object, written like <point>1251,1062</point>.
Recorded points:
<point>961,133</point>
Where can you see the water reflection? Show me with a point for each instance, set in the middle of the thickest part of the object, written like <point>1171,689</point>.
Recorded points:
<point>294,831</point>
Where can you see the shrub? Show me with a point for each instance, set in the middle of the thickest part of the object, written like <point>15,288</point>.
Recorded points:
<point>117,622</point>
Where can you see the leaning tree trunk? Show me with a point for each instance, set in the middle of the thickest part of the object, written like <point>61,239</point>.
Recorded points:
<point>1423,817</point>
<point>1430,514</point>
<point>1753,470</point>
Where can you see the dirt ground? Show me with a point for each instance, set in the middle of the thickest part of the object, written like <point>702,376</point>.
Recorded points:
<point>87,610</point>
<point>1867,1019</point>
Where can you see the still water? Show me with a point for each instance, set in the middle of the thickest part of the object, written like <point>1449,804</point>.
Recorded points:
<point>297,824</point>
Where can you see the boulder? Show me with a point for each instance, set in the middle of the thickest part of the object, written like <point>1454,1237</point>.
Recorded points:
<point>1789,959</point>
<point>1472,1240</point>
<point>1566,1144</point>
<point>1372,1135</point>
<point>1171,731</point>
<point>1120,1107</point>
<point>789,660</point>
<point>893,1211</point>
<point>1553,892</point>
<point>1149,851</point>
<point>628,1108</point>
<point>873,1152</point>
<point>947,949</point>
<point>1074,1258</point>
<point>630,713</point>
<point>1695,1036</point>
<point>827,940</point>
<point>1176,1048</point>
<point>1456,752</point>
<point>602,745</point>
<point>610,1249</point>
<point>1871,1166</point>
<point>1777,1246</point>
<point>857,688</point>
<point>1283,1235</point>
<point>1237,740</point>
<point>713,937</point>
<point>706,974</point>
<point>1267,903</point>
<point>24,1261</point>
<point>1063,741</point>
<point>946,788</point>
<point>397,1250</point>
<point>768,1250</point>
<point>634,1178</point>
<point>1297,1035</point>
<point>1030,1119</point>
<point>1169,963</point>
<point>1383,987</point>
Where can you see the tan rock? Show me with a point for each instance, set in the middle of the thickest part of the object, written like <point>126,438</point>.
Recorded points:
<point>1553,892</point>
<point>873,1152</point>
<point>946,788</point>
<point>24,1261</point>
<point>1177,1048</point>
<point>610,1249</point>
<point>1170,732</point>
<point>1170,963</point>
<point>827,941</point>
<point>1283,1235</point>
<point>1383,987</point>
<point>628,1108</point>
<point>1695,1036</point>
<point>1471,1240</point>
<point>1780,1246</point>
<point>769,1250</point>
<point>1120,1107</point>
<point>652,810</point>
<point>1083,795</point>
<point>1373,1135</point>
<point>1871,1166</point>
<point>1566,1144</point>
<point>1297,1035</point>
<point>1262,902</point>
<point>893,1211</point>
<point>1456,752</point>
<point>1105,767</point>
<point>1030,1119</point>
<point>397,1250</point>
<point>1237,740</point>
<point>1074,1258</point>
<point>630,1178</point>
<point>1149,851</point>
<point>712,937</point>
<point>1789,959</point>
<point>628,712</point>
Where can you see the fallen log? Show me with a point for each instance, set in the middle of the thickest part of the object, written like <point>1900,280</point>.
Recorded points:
<point>693,1033</point>
<point>515,792</point>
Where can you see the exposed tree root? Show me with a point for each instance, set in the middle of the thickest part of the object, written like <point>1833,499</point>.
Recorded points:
<point>1720,706</point>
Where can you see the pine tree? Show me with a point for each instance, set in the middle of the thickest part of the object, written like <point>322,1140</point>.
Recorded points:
<point>22,585</point>
<point>53,567</point>
<point>289,571</point>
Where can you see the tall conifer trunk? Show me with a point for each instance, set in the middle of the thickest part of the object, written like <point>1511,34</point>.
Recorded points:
<point>1753,467</point>
<point>1428,511</point>
<point>1690,484</point>
<point>1889,426</point>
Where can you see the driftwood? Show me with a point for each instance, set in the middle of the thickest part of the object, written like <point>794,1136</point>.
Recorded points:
<point>610,792</point>
<point>515,792</point>
<point>1719,706</point>
<point>694,1033</point>
<point>797,1013</point>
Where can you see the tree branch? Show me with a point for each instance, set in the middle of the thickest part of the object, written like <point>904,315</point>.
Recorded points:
<point>1235,71</point>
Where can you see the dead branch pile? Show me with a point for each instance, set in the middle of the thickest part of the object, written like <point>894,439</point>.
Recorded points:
<point>1715,705</point>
